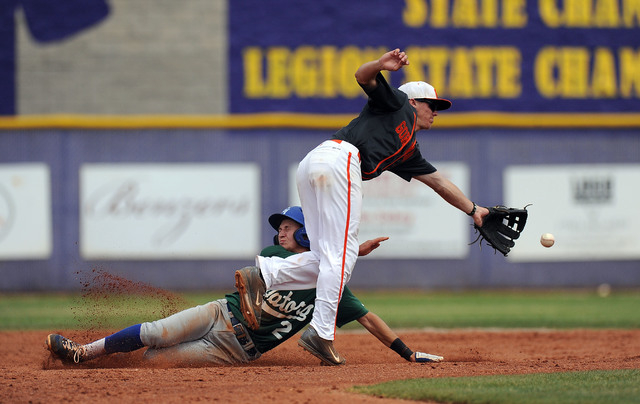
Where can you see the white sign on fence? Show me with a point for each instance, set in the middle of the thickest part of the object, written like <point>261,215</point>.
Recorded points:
<point>169,211</point>
<point>590,209</point>
<point>25,211</point>
<point>418,222</point>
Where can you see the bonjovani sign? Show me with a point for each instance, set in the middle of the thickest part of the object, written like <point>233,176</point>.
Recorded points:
<point>169,211</point>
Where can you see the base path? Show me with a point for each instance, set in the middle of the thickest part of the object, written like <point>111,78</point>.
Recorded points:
<point>290,375</point>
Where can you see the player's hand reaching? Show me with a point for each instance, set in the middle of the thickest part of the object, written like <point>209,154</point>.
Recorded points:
<point>393,60</point>
<point>370,245</point>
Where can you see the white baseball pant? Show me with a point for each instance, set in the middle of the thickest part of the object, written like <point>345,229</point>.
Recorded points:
<point>330,188</point>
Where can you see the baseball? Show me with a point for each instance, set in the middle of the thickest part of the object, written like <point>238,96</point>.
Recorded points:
<point>547,240</point>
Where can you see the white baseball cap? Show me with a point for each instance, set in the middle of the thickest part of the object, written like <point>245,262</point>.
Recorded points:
<point>420,90</point>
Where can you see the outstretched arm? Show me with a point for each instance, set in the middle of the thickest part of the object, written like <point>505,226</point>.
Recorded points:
<point>370,245</point>
<point>379,329</point>
<point>453,195</point>
<point>392,61</point>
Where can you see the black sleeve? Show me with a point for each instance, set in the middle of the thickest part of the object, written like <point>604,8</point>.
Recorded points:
<point>384,98</point>
<point>416,165</point>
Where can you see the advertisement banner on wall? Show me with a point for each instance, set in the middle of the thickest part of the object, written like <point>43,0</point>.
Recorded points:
<point>418,222</point>
<point>512,56</point>
<point>169,211</point>
<point>25,212</point>
<point>586,208</point>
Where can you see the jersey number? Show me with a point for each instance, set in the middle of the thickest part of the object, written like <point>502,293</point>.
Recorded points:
<point>286,328</point>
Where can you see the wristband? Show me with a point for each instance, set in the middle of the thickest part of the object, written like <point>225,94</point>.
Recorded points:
<point>401,349</point>
<point>472,210</point>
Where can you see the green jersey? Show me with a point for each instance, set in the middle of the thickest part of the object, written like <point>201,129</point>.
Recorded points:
<point>286,312</point>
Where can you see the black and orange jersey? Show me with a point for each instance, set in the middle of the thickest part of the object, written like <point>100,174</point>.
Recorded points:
<point>385,134</point>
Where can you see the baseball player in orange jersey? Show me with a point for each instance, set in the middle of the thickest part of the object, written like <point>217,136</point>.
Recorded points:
<point>329,180</point>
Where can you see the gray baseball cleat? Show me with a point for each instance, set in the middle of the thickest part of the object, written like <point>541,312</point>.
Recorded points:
<point>65,349</point>
<point>321,348</point>
<point>252,288</point>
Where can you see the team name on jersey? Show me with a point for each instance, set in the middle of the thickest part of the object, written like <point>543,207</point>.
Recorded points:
<point>403,132</point>
<point>283,306</point>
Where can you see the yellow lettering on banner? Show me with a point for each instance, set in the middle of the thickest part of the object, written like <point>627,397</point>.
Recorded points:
<point>578,13</point>
<point>607,14</point>
<point>461,81</point>
<point>465,13</point>
<point>631,14</point>
<point>350,58</point>
<point>549,13</point>
<point>509,72</point>
<point>544,70</point>
<point>437,59</point>
<point>484,58</point>
<point>590,13</point>
<point>603,77</point>
<point>480,72</point>
<point>477,72</point>
<point>489,13</point>
<point>629,73</point>
<point>414,13</point>
<point>304,72</point>
<point>514,14</point>
<point>252,63</point>
<point>562,72</point>
<point>277,59</point>
<point>328,72</point>
<point>579,73</point>
<point>439,13</point>
<point>576,61</point>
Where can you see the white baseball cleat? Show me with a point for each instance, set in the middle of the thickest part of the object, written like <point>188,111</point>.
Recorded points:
<point>425,357</point>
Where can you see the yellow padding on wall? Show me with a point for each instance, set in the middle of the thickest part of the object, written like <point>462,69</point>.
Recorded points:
<point>315,121</point>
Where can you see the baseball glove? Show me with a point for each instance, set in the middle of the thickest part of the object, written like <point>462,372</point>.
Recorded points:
<point>501,227</point>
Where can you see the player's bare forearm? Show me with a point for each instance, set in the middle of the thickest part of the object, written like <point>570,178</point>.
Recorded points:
<point>378,328</point>
<point>453,195</point>
<point>392,61</point>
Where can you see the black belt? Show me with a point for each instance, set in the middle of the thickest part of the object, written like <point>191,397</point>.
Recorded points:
<point>242,336</point>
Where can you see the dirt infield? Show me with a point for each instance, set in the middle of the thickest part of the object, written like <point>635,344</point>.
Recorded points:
<point>288,374</point>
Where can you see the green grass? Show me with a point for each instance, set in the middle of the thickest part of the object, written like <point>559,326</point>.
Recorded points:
<point>506,309</point>
<point>503,309</point>
<point>26,311</point>
<point>617,386</point>
<point>74,311</point>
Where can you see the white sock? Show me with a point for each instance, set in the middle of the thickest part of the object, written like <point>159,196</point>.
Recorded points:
<point>94,349</point>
